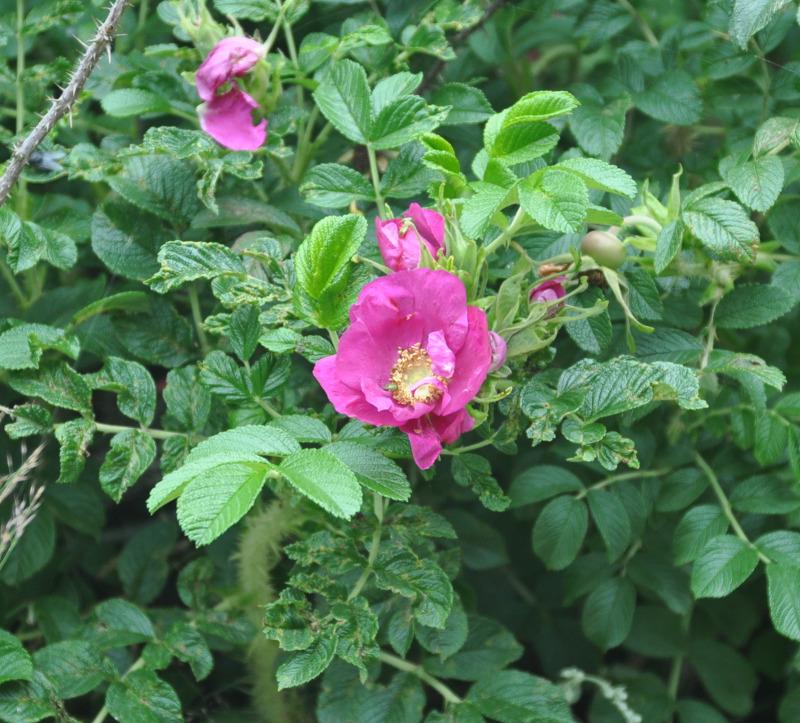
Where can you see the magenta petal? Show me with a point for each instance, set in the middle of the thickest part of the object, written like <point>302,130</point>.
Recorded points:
<point>400,253</point>
<point>425,444</point>
<point>228,119</point>
<point>430,225</point>
<point>230,57</point>
<point>472,363</point>
<point>443,361</point>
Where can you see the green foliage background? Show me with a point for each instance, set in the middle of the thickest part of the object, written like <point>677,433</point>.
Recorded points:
<point>162,301</point>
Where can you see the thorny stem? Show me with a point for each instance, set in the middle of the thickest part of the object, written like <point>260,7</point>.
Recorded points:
<point>198,319</point>
<point>420,672</point>
<point>101,716</point>
<point>726,507</point>
<point>641,22</point>
<point>376,181</point>
<point>60,107</point>
<point>373,550</point>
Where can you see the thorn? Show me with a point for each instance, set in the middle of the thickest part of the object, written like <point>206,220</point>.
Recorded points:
<point>85,45</point>
<point>70,117</point>
<point>108,52</point>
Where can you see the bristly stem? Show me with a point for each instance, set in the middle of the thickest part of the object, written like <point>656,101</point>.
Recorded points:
<point>376,181</point>
<point>424,676</point>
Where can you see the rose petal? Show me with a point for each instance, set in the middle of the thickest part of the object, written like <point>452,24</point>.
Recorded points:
<point>228,119</point>
<point>230,57</point>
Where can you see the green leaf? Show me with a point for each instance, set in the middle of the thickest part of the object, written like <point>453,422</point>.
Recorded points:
<point>644,296</point>
<point>750,305</point>
<point>373,470</point>
<point>74,666</point>
<point>695,711</point>
<point>745,365</point>
<point>187,400</point>
<point>133,102</point>
<point>557,200</point>
<point>592,334</point>
<point>601,175</point>
<point>771,437</point>
<point>608,612</point>
<point>119,623</point>
<point>407,175</point>
<point>344,99</point>
<point>673,98</point>
<point>184,261</point>
<point>127,240</point>
<point>34,243</point>
<point>15,662</point>
<point>468,104</point>
<point>244,331</point>
<point>327,250</point>
<point>160,185</point>
<point>332,185</point>
<point>474,471</point>
<point>663,344</point>
<point>696,528</point>
<point>772,133</point>
<point>538,106</point>
<point>724,563</point>
<point>488,647</point>
<point>303,428</point>
<point>74,436</point>
<point>668,244</point>
<point>420,579</point>
<point>512,696</point>
<point>132,452</point>
<point>404,119</point>
<point>142,697</point>
<point>21,346</point>
<point>450,639</point>
<point>765,495</point>
<point>726,674</point>
<point>541,482</point>
<point>757,183</point>
<point>59,385</point>
<point>143,567</point>
<point>559,531</point>
<point>307,664</point>
<point>612,520</point>
<point>521,142</point>
<point>749,16</point>
<point>32,551</point>
<point>216,500</point>
<point>600,129</point>
<point>324,479</point>
<point>135,387</point>
<point>186,643</point>
<point>783,589</point>
<point>392,87</point>
<point>723,227</point>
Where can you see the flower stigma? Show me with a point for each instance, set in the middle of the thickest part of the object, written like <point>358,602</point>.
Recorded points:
<point>412,380</point>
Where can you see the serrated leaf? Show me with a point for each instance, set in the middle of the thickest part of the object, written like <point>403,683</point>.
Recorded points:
<point>332,185</point>
<point>142,697</point>
<point>668,244</point>
<point>135,387</point>
<point>343,97</point>
<point>373,470</point>
<point>611,518</point>
<point>133,102</point>
<point>184,261</point>
<point>749,16</point>
<point>745,365</point>
<point>132,452</point>
<point>765,495</point>
<point>644,296</point>
<point>557,200</point>
<point>15,661</point>
<point>723,227</point>
<point>723,565</point>
<point>783,588</point>
<point>303,428</point>
<point>522,142</point>
<point>74,438</point>
<point>600,129</point>
<point>608,612</point>
<point>21,346</point>
<point>324,479</point>
<point>601,175</point>
<point>559,531</point>
<point>217,499</point>
<point>404,119</point>
<point>512,696</point>
<point>74,666</point>
<point>750,305</point>
<point>673,98</point>
<point>60,386</point>
<point>757,183</point>
<point>392,87</point>
<point>307,664</point>
<point>699,525</point>
<point>467,104</point>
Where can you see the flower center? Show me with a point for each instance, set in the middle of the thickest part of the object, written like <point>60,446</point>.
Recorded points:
<point>412,379</point>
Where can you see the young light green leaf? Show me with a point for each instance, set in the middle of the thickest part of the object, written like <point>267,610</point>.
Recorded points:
<point>133,102</point>
<point>557,200</point>
<point>324,479</point>
<point>404,119</point>
<point>601,175</point>
<point>373,470</point>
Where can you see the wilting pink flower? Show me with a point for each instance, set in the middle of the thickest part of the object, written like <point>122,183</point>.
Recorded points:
<point>548,291</point>
<point>499,351</point>
<point>231,57</point>
<point>228,119</point>
<point>399,239</point>
<point>415,354</point>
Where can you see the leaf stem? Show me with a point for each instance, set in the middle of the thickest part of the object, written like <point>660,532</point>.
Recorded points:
<point>612,479</point>
<point>376,181</point>
<point>101,716</point>
<point>726,507</point>
<point>357,259</point>
<point>198,319</point>
<point>677,661</point>
<point>513,227</point>
<point>711,335</point>
<point>114,428</point>
<point>373,550</point>
<point>420,672</point>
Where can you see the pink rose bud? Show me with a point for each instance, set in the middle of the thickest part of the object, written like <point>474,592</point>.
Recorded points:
<point>231,57</point>
<point>228,119</point>
<point>499,350</point>
<point>414,356</point>
<point>548,291</point>
<point>399,239</point>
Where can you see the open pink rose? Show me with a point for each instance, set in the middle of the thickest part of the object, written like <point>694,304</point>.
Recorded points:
<point>228,118</point>
<point>399,239</point>
<point>415,354</point>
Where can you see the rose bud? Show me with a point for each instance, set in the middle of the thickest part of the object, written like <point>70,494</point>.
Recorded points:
<point>399,239</point>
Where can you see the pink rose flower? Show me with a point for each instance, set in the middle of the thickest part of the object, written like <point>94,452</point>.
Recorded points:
<point>548,291</point>
<point>399,239</point>
<point>499,351</point>
<point>231,57</point>
<point>227,118</point>
<point>415,354</point>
